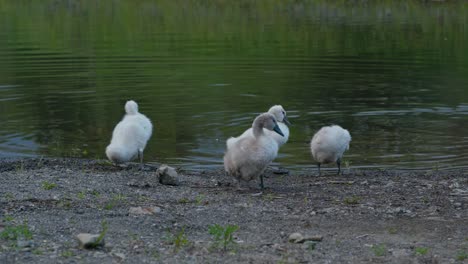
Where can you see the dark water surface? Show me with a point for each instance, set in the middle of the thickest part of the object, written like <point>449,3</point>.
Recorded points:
<point>394,73</point>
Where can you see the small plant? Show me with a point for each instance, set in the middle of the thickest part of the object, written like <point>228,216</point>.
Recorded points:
<point>9,196</point>
<point>37,251</point>
<point>95,193</point>
<point>421,251</point>
<point>223,236</point>
<point>269,197</point>
<point>81,195</point>
<point>48,186</point>
<point>379,250</point>
<point>119,197</point>
<point>462,255</point>
<point>179,240</point>
<point>352,200</point>
<point>110,205</point>
<point>16,232</point>
<point>392,230</point>
<point>184,200</point>
<point>67,254</point>
<point>199,199</point>
<point>8,218</point>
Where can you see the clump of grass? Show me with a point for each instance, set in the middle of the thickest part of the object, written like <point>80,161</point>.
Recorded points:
<point>67,254</point>
<point>223,235</point>
<point>179,240</point>
<point>95,193</point>
<point>379,250</point>
<point>199,200</point>
<point>392,230</point>
<point>81,195</point>
<point>421,251</point>
<point>16,232</point>
<point>184,200</point>
<point>352,200</point>
<point>462,255</point>
<point>48,185</point>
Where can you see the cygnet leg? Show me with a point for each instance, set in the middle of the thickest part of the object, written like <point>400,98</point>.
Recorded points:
<point>261,182</point>
<point>338,162</point>
<point>318,166</point>
<point>140,155</point>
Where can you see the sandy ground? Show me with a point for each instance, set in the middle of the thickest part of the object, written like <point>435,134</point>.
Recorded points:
<point>363,216</point>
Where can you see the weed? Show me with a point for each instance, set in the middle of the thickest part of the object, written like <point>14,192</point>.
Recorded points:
<point>421,251</point>
<point>199,199</point>
<point>379,250</point>
<point>65,204</point>
<point>67,254</point>
<point>392,230</point>
<point>184,200</point>
<point>95,193</point>
<point>9,196</point>
<point>8,218</point>
<point>462,255</point>
<point>81,195</point>
<point>352,200</point>
<point>110,205</point>
<point>16,232</point>
<point>48,186</point>
<point>269,197</point>
<point>37,251</point>
<point>179,240</point>
<point>119,197</point>
<point>223,236</point>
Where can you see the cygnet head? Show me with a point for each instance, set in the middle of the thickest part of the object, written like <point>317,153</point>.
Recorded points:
<point>279,113</point>
<point>131,107</point>
<point>268,121</point>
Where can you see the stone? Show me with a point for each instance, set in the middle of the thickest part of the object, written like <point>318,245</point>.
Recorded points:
<point>144,210</point>
<point>24,243</point>
<point>167,175</point>
<point>89,240</point>
<point>295,237</point>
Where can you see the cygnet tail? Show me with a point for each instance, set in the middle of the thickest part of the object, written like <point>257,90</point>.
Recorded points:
<point>131,107</point>
<point>116,154</point>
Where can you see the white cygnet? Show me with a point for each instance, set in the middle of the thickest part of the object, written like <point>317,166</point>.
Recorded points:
<point>247,158</point>
<point>329,144</point>
<point>130,136</point>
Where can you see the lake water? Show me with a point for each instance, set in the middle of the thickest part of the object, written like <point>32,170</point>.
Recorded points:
<point>394,73</point>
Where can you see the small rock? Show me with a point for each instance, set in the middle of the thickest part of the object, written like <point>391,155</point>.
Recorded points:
<point>295,238</point>
<point>167,175</point>
<point>89,240</point>
<point>25,243</point>
<point>144,210</point>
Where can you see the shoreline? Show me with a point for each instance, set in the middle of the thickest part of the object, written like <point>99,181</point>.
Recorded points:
<point>365,216</point>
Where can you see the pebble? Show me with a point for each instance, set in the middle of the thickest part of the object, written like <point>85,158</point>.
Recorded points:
<point>167,175</point>
<point>295,238</point>
<point>89,240</point>
<point>299,238</point>
<point>144,210</point>
<point>25,243</point>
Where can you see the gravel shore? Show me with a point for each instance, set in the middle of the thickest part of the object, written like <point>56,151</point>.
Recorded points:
<point>363,216</point>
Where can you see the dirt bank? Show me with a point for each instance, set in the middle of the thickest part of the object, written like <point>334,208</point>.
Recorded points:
<point>365,216</point>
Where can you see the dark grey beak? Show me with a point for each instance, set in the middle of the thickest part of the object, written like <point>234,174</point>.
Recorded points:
<point>286,121</point>
<point>278,130</point>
